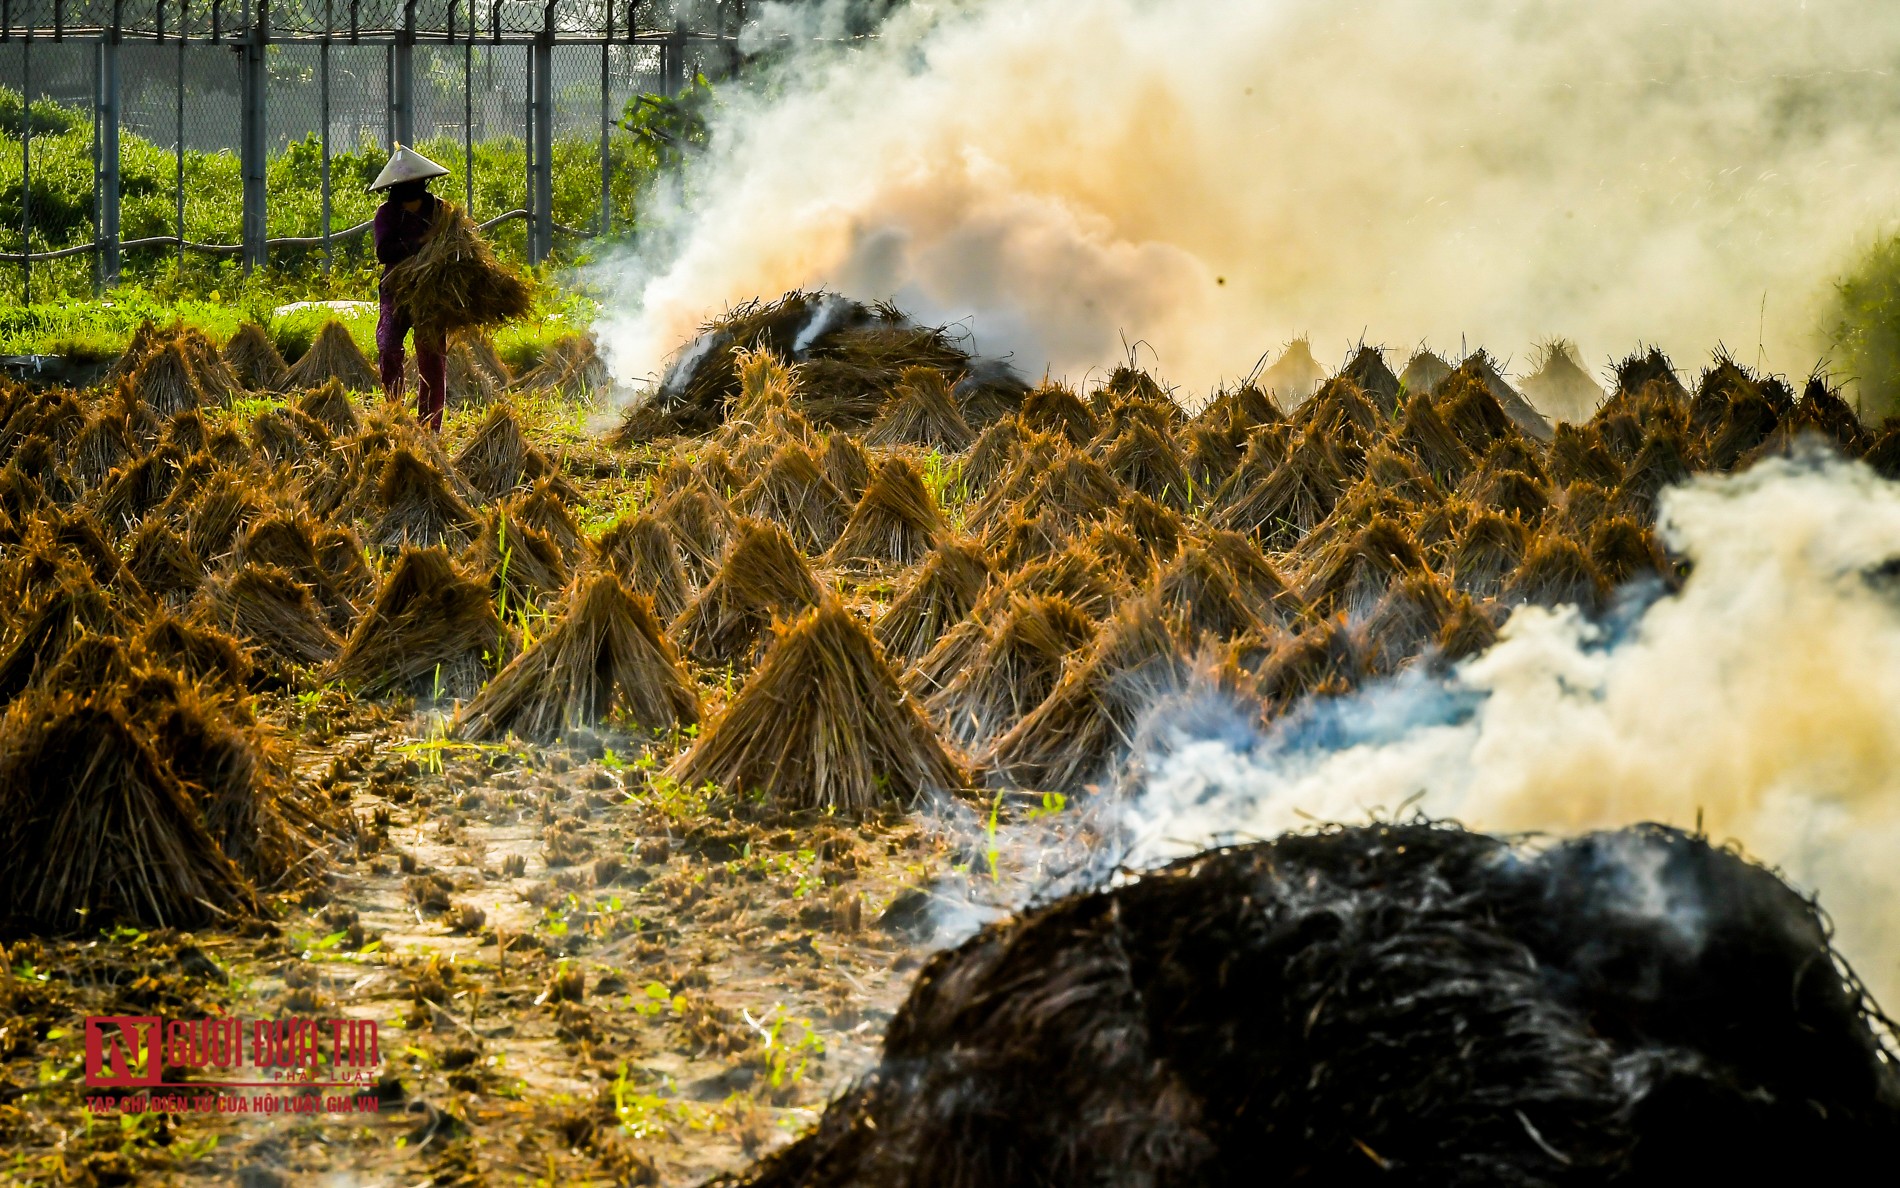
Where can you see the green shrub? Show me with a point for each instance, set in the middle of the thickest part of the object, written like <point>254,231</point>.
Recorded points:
<point>1864,326</point>
<point>63,200</point>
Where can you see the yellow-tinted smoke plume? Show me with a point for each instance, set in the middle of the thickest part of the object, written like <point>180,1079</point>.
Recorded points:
<point>1214,177</point>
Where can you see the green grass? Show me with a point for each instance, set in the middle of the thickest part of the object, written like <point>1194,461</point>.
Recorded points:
<point>99,328</point>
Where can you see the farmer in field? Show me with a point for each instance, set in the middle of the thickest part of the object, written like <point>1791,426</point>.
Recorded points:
<point>403,224</point>
<point>439,276</point>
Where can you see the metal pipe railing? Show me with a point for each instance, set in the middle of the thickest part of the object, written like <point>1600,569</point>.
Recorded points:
<point>235,249</point>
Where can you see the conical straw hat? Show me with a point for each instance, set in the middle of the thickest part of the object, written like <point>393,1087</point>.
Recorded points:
<point>404,166</point>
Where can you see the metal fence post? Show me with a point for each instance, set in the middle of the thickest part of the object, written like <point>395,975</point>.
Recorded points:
<point>541,144</point>
<point>402,79</point>
<point>108,138</point>
<point>251,149</point>
<point>323,90</point>
<point>26,169</point>
<point>178,149</point>
<point>606,164</point>
<point>675,61</point>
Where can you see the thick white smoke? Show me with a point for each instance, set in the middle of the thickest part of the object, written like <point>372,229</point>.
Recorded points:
<point>1762,701</point>
<point>1217,176</point>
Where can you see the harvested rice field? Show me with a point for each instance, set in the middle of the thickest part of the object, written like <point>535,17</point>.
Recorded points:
<point>760,782</point>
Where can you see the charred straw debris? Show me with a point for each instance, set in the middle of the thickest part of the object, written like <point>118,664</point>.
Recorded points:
<point>1405,1003</point>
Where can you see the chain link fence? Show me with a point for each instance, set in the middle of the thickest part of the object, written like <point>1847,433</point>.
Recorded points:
<point>134,132</point>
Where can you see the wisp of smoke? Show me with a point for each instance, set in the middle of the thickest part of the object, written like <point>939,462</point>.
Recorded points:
<point>1217,176</point>
<point>1761,702</point>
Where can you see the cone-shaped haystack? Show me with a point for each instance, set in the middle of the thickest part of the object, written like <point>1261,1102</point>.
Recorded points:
<point>331,405</point>
<point>942,664</point>
<point>1204,597</point>
<point>793,492</point>
<point>995,448</point>
<point>1325,660</point>
<point>274,614</point>
<point>1650,371</point>
<point>641,551</point>
<point>185,433</point>
<point>1018,667</point>
<point>701,525</point>
<point>253,358</point>
<point>226,505</point>
<point>1076,485</point>
<point>340,554</point>
<point>1408,622</point>
<point>1510,402</point>
<point>94,829</point>
<point>1294,376</point>
<point>571,365</point>
<point>1622,550</point>
<point>1487,552</point>
<point>132,491</point>
<point>1144,460</point>
<point>288,541</point>
<point>1748,419</point>
<point>164,564</point>
<point>1424,434</point>
<point>524,567</point>
<point>1212,452</point>
<point>44,626</point>
<point>1295,498</point>
<point>100,448</point>
<point>544,507</point>
<point>1559,386</point>
<point>606,658</point>
<point>763,576</point>
<point>164,383</point>
<point>286,435</point>
<point>846,464</point>
<point>1354,572</point>
<point>1577,453</point>
<point>1424,371</point>
<point>1822,411</point>
<point>1556,572</point>
<point>1072,738</point>
<point>426,634</point>
<point>1262,588</point>
<point>1661,462</point>
<point>201,653</point>
<point>1073,573</point>
<point>945,590</point>
<point>215,377</point>
<point>895,522</point>
<point>498,458</point>
<point>334,355</point>
<point>1342,412</point>
<point>1511,492</point>
<point>822,724</point>
<point>922,413</point>
<point>418,507</point>
<point>1019,539</point>
<point>1369,373</point>
<point>1471,409</point>
<point>1053,408</point>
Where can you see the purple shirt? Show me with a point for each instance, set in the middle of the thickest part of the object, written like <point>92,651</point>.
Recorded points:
<point>398,233</point>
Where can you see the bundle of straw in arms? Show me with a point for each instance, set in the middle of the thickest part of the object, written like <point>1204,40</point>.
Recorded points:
<point>454,281</point>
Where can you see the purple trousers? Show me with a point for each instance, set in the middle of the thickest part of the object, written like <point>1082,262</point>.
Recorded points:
<point>392,326</point>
